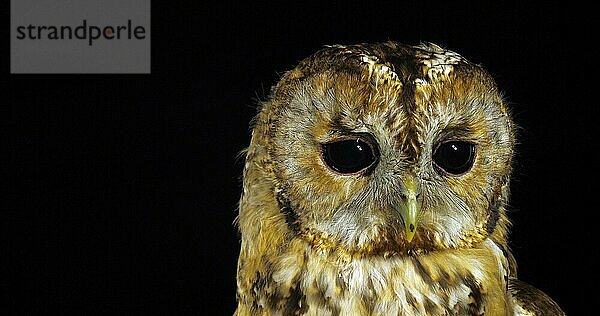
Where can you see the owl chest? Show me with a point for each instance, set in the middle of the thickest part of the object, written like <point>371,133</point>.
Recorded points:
<point>396,286</point>
<point>387,289</point>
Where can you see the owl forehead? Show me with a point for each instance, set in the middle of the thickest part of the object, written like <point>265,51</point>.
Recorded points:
<point>417,65</point>
<point>405,92</point>
<point>389,62</point>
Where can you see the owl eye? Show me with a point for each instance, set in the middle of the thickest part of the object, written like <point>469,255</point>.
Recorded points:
<point>349,156</point>
<point>455,157</point>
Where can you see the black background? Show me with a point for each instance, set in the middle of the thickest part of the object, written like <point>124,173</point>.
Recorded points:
<point>122,189</point>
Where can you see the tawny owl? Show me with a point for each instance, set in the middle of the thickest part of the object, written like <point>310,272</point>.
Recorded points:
<point>376,183</point>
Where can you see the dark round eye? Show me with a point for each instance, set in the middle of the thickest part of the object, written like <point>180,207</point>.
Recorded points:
<point>455,157</point>
<point>349,156</point>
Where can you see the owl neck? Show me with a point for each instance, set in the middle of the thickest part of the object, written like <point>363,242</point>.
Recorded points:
<point>294,277</point>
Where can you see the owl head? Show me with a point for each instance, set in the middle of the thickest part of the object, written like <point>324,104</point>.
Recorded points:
<point>381,149</point>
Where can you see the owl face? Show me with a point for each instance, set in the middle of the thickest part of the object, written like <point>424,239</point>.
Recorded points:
<point>386,149</point>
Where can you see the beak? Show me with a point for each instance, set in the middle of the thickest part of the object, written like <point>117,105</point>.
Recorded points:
<point>409,208</point>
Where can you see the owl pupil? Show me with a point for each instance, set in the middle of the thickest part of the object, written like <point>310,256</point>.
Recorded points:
<point>349,156</point>
<point>455,157</point>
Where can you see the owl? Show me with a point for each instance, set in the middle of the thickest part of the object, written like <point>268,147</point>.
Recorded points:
<point>376,183</point>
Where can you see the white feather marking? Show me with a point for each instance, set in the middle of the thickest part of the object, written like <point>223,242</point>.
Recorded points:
<point>380,72</point>
<point>437,63</point>
<point>500,257</point>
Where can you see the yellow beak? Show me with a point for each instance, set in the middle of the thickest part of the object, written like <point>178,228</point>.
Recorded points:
<point>409,208</point>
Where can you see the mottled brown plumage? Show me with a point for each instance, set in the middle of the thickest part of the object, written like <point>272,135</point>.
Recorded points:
<point>376,183</point>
